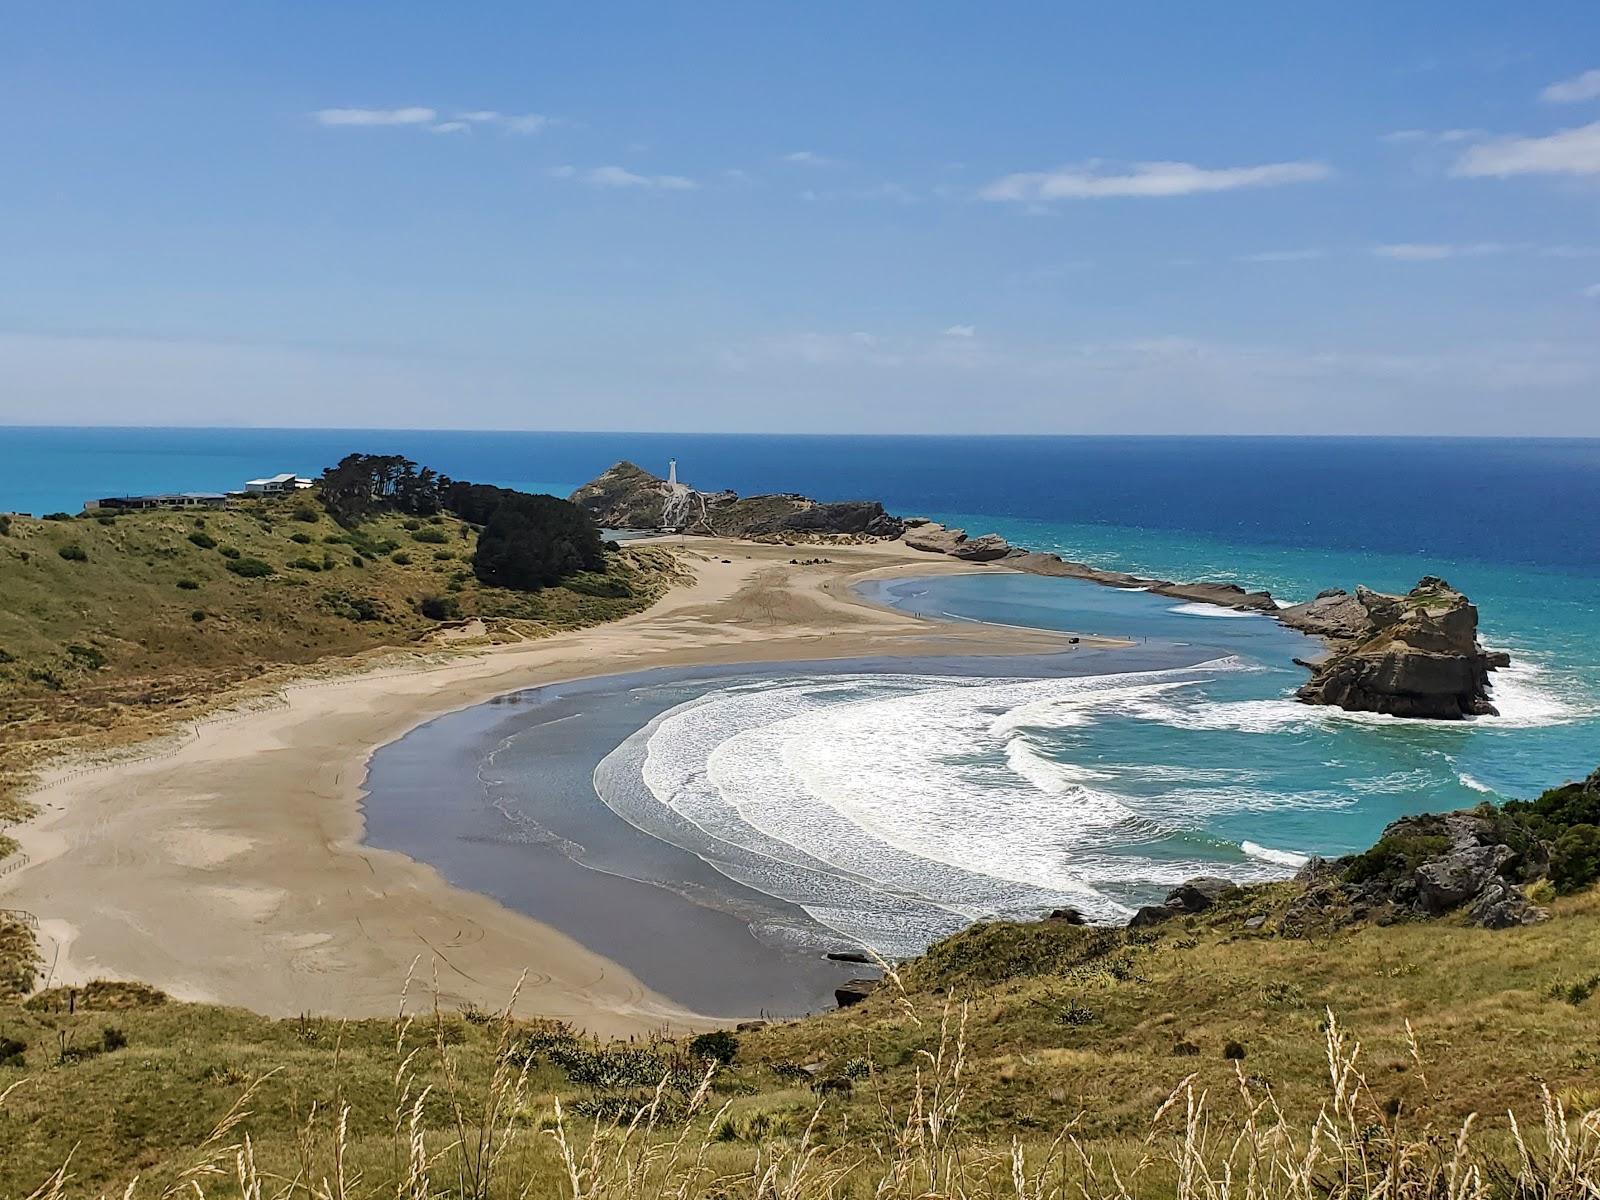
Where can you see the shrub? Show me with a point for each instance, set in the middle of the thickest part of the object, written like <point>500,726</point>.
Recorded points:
<point>87,655</point>
<point>198,615</point>
<point>439,608</point>
<point>113,1039</point>
<point>607,587</point>
<point>58,516</point>
<point>105,519</point>
<point>400,558</point>
<point>304,512</point>
<point>443,556</point>
<point>435,537</point>
<point>73,552</point>
<point>204,540</point>
<point>11,1052</point>
<point>719,1045</point>
<point>1575,859</point>
<point>250,568</point>
<point>353,608</point>
<point>5,525</point>
<point>412,524</point>
<point>303,539</point>
<point>229,552</point>
<point>189,585</point>
<point>533,542</point>
<point>304,564</point>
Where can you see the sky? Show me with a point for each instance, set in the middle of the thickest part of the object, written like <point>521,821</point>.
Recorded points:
<point>809,217</point>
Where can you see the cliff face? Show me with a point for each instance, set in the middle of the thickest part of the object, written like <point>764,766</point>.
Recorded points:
<point>629,497</point>
<point>1415,655</point>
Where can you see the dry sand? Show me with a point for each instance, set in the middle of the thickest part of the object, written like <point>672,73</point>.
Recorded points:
<point>232,871</point>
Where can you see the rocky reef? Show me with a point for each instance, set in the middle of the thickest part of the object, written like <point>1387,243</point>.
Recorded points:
<point>629,497</point>
<point>1416,655</point>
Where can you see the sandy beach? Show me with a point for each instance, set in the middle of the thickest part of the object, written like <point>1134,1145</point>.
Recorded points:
<point>233,870</point>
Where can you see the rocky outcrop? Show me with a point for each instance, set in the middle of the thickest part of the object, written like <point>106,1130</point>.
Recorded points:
<point>1227,595</point>
<point>854,991</point>
<point>1415,655</point>
<point>629,497</point>
<point>1193,896</point>
<point>1429,866</point>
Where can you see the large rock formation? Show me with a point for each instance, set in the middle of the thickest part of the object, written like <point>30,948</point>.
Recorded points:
<point>629,497</point>
<point>1415,655</point>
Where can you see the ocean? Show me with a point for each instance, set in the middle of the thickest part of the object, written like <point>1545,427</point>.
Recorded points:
<point>891,802</point>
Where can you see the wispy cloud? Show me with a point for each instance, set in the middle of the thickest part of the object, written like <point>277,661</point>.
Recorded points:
<point>1569,152</point>
<point>809,158</point>
<point>415,115</point>
<point>961,331</point>
<point>1444,137</point>
<point>510,122</point>
<point>621,177</point>
<point>1283,256</point>
<point>1435,251</point>
<point>1571,91</point>
<point>429,119</point>
<point>1092,181</point>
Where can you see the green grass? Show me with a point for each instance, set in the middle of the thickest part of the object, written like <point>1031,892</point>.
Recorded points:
<point>164,611</point>
<point>1065,1029</point>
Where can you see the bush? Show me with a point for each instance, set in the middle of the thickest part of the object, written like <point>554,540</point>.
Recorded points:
<point>304,512</point>
<point>719,1045</point>
<point>229,552</point>
<point>607,587</point>
<point>533,542</point>
<point>1575,859</point>
<point>5,525</point>
<point>58,516</point>
<point>73,552</point>
<point>353,608</point>
<point>443,556</point>
<point>113,1039</point>
<point>303,539</point>
<point>188,585</point>
<point>304,564</point>
<point>204,540</point>
<point>198,615</point>
<point>435,537</point>
<point>412,524</point>
<point>439,608</point>
<point>250,568</point>
<point>106,519</point>
<point>400,558</point>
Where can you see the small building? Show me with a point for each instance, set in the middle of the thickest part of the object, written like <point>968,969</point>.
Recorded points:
<point>162,500</point>
<point>276,485</point>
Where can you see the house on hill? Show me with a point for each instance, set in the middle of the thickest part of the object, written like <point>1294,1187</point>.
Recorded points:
<point>161,500</point>
<point>276,485</point>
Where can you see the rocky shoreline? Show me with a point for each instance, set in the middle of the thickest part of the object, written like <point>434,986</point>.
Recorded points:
<point>1413,656</point>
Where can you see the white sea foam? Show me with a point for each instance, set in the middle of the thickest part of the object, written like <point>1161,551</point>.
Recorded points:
<point>1198,609</point>
<point>1476,785</point>
<point>1283,858</point>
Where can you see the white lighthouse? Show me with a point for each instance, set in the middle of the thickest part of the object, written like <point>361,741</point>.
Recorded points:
<point>672,472</point>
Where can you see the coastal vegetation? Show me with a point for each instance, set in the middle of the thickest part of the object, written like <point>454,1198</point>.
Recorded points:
<point>1115,1062</point>
<point>113,628</point>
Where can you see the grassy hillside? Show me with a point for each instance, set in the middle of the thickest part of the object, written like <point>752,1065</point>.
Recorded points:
<point>1065,1039</point>
<point>111,625</point>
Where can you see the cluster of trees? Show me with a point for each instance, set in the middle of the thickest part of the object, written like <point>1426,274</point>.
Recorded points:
<point>362,485</point>
<point>525,542</point>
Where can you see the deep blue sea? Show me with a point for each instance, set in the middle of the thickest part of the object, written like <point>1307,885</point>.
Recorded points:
<point>1103,787</point>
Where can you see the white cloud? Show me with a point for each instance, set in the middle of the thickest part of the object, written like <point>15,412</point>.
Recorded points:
<point>1592,291</point>
<point>375,116</point>
<point>1569,152</point>
<point>1146,179</point>
<point>1434,251</point>
<point>1283,256</point>
<point>526,123</point>
<point>621,177</point>
<point>961,331</point>
<point>428,118</point>
<point>808,158</point>
<point>1570,91</point>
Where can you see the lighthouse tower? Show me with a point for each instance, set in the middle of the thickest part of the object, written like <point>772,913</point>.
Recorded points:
<point>672,472</point>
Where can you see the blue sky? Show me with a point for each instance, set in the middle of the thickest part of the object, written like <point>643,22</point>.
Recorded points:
<point>814,217</point>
